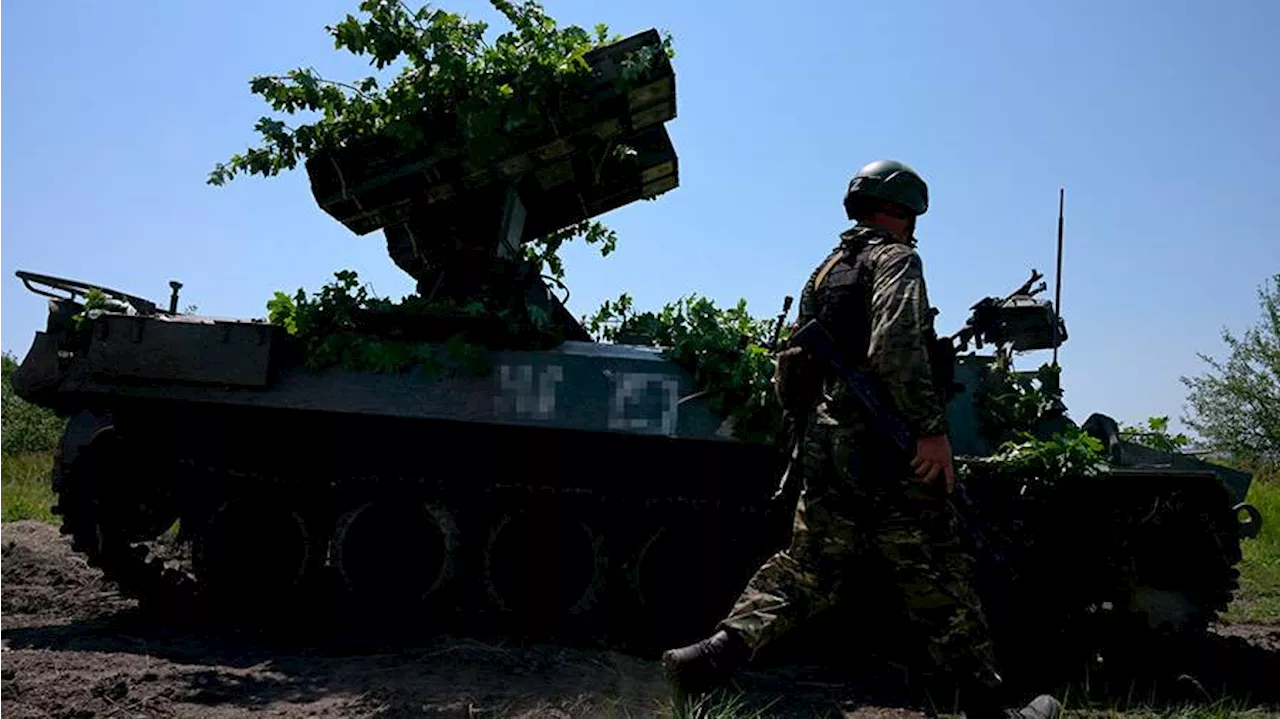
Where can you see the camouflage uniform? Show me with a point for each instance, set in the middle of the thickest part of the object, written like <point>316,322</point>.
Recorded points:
<point>856,502</point>
<point>851,505</point>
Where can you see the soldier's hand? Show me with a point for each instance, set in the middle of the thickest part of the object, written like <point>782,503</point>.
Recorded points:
<point>933,458</point>
<point>795,381</point>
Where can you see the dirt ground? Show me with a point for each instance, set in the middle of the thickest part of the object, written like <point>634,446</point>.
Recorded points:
<point>74,648</point>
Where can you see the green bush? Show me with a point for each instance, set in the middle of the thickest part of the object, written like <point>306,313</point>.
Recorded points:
<point>26,427</point>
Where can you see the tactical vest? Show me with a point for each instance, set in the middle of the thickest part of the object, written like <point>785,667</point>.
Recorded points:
<point>838,294</point>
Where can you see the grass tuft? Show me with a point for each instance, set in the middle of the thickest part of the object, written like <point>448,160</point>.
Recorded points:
<point>1258,601</point>
<point>720,704</point>
<point>26,491</point>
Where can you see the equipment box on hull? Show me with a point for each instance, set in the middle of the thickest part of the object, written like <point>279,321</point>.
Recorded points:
<point>183,349</point>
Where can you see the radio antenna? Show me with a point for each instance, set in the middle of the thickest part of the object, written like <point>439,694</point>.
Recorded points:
<point>1057,290</point>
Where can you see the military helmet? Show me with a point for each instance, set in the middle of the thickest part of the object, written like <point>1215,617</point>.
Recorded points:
<point>888,181</point>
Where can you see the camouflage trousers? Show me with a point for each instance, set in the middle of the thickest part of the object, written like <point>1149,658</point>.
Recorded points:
<point>850,511</point>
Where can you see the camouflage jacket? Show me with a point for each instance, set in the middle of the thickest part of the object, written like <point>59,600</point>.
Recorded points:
<point>870,294</point>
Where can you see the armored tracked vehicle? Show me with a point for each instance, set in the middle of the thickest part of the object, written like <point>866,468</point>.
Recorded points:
<point>577,488</point>
<point>1138,554</point>
<point>556,484</point>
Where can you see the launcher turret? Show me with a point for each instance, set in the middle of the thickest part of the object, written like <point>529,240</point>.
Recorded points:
<point>459,224</point>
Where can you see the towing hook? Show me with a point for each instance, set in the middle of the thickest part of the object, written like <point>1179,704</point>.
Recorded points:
<point>173,296</point>
<point>1251,527</point>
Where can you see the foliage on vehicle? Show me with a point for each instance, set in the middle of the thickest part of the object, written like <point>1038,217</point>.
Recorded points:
<point>1155,435</point>
<point>335,328</point>
<point>1012,403</point>
<point>451,77</point>
<point>726,351</point>
<point>1021,415</point>
<point>1042,462</point>
<point>94,300</point>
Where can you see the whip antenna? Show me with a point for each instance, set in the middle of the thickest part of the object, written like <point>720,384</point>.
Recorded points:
<point>1057,290</point>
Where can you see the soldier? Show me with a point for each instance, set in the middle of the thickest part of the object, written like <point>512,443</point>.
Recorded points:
<point>870,294</point>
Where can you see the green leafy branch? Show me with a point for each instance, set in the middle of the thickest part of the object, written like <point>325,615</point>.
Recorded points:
<point>1043,462</point>
<point>1017,411</point>
<point>94,300</point>
<point>725,350</point>
<point>454,87</point>
<point>544,252</point>
<point>1155,435</point>
<point>1011,403</point>
<point>334,328</point>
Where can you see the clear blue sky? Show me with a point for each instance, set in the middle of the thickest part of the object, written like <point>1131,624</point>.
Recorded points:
<point>1159,118</point>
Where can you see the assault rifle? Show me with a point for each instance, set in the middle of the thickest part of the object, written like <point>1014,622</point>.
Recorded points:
<point>789,434</point>
<point>778,323</point>
<point>814,337</point>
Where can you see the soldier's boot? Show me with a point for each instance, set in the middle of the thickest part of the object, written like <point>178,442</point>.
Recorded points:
<point>701,667</point>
